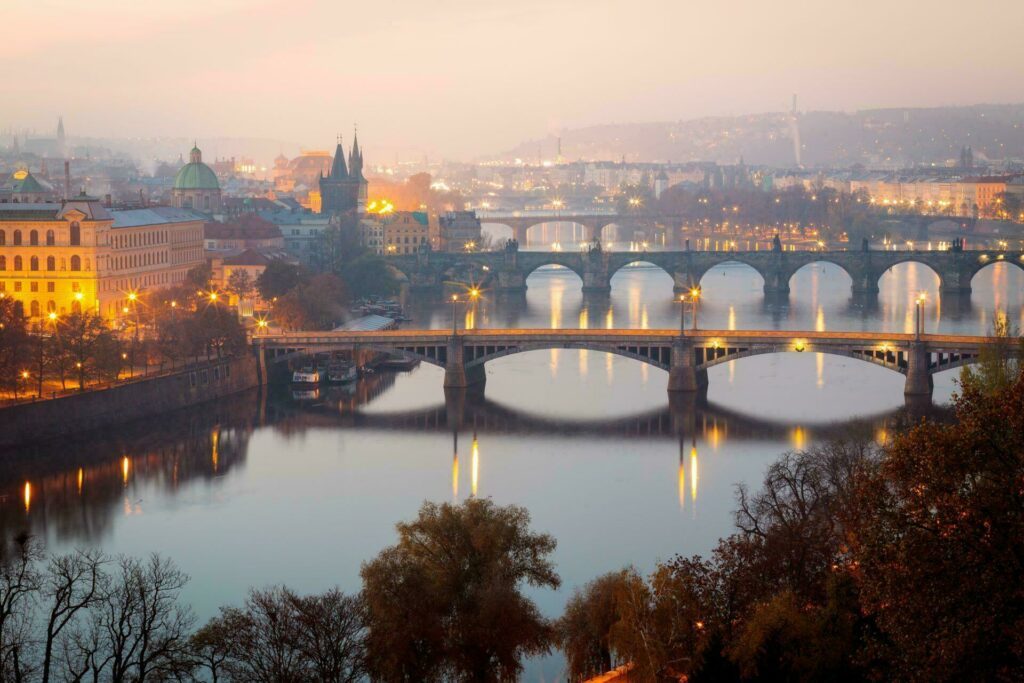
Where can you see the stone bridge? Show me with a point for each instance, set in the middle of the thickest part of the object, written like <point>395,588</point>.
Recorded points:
<point>507,270</point>
<point>593,224</point>
<point>685,356</point>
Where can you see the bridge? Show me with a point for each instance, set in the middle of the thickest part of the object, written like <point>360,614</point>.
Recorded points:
<point>593,223</point>
<point>686,356</point>
<point>507,270</point>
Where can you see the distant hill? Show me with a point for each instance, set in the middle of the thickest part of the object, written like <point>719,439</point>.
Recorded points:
<point>874,137</point>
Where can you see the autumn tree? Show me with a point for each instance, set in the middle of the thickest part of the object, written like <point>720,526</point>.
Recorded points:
<point>584,631</point>
<point>446,601</point>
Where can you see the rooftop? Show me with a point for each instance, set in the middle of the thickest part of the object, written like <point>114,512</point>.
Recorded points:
<point>157,215</point>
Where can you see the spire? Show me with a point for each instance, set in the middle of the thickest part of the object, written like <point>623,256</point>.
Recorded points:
<point>195,156</point>
<point>60,129</point>
<point>355,159</point>
<point>338,169</point>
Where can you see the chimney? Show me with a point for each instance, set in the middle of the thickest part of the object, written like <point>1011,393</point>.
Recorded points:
<point>142,200</point>
<point>67,179</point>
<point>107,201</point>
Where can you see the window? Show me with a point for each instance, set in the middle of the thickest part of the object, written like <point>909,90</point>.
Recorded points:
<point>33,263</point>
<point>33,286</point>
<point>51,286</point>
<point>17,286</point>
<point>76,234</point>
<point>3,285</point>
<point>51,306</point>
<point>76,306</point>
<point>51,263</point>
<point>34,309</point>
<point>17,263</point>
<point>76,263</point>
<point>74,287</point>
<point>33,238</point>
<point>3,263</point>
<point>51,238</point>
<point>3,237</point>
<point>17,238</point>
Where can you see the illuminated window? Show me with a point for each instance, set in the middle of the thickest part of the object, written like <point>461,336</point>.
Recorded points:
<point>33,238</point>
<point>51,263</point>
<point>51,286</point>
<point>34,309</point>
<point>33,263</point>
<point>76,263</point>
<point>17,238</point>
<point>18,265</point>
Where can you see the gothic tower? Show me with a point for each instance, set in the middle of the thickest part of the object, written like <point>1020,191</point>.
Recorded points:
<point>343,190</point>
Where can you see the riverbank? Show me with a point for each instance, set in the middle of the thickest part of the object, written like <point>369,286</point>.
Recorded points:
<point>76,413</point>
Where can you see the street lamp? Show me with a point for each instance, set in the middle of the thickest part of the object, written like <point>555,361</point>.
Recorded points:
<point>695,301</point>
<point>922,296</point>
<point>455,302</point>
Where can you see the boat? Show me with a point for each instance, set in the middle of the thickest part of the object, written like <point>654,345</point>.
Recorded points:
<point>341,372</point>
<point>399,363</point>
<point>306,375</point>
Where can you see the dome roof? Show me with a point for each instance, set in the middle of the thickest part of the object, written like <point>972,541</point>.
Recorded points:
<point>196,175</point>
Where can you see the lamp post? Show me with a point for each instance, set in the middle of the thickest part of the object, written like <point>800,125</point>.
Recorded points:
<point>455,301</point>
<point>919,314</point>
<point>695,302</point>
<point>682,313</point>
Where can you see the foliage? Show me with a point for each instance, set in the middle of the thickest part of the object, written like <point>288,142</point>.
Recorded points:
<point>240,284</point>
<point>999,364</point>
<point>940,548</point>
<point>200,277</point>
<point>369,275</point>
<point>14,343</point>
<point>584,631</point>
<point>315,304</point>
<point>445,602</point>
<point>277,279</point>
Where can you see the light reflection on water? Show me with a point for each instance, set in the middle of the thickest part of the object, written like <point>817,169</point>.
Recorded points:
<point>254,493</point>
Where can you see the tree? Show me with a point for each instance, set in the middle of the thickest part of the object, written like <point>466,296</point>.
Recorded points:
<point>369,275</point>
<point>584,631</point>
<point>14,342</point>
<point>999,364</point>
<point>279,636</point>
<point>83,336</point>
<point>240,284</point>
<point>200,277</point>
<point>317,304</point>
<point>277,279</point>
<point>940,546</point>
<point>446,600</point>
<point>72,584</point>
<point>20,581</point>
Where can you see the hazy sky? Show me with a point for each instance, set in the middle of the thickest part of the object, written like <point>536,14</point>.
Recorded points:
<point>463,77</point>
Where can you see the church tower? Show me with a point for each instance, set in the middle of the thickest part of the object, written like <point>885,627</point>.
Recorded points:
<point>344,189</point>
<point>62,150</point>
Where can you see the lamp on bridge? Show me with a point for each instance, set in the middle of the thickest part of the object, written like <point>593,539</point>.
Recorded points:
<point>922,296</point>
<point>693,299</point>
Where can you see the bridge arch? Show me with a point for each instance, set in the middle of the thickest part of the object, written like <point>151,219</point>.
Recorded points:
<point>894,360</point>
<point>994,260</point>
<point>657,356</point>
<point>632,258</point>
<point>555,260</point>
<point>819,261</point>
<point>911,257</point>
<point>721,266</point>
<point>569,233</point>
<point>498,231</point>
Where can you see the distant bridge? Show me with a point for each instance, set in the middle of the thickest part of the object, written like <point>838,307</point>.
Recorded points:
<point>593,223</point>
<point>685,356</point>
<point>507,270</point>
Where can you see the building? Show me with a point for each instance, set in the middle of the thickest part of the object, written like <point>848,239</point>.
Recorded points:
<point>405,231</point>
<point>247,231</point>
<point>301,231</point>
<point>371,233</point>
<point>250,261</point>
<point>196,186</point>
<point>459,231</point>
<point>344,189</point>
<point>23,187</point>
<point>80,255</point>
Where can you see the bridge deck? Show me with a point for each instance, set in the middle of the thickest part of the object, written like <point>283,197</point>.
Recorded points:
<point>666,335</point>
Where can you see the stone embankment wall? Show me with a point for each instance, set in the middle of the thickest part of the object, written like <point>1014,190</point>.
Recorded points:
<point>67,416</point>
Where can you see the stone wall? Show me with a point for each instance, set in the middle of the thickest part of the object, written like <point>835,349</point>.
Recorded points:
<point>74,414</point>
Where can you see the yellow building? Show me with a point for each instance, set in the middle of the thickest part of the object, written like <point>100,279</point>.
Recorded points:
<point>80,255</point>
<point>405,231</point>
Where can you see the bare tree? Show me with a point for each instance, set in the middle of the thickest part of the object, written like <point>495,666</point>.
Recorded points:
<point>71,583</point>
<point>19,583</point>
<point>330,634</point>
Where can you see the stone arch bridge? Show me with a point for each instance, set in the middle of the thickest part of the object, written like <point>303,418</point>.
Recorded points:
<point>593,224</point>
<point>507,270</point>
<point>685,356</point>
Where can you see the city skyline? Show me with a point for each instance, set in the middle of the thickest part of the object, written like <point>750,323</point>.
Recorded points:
<point>462,80</point>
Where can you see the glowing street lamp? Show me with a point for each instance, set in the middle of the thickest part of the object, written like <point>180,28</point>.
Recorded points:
<point>922,296</point>
<point>455,302</point>
<point>695,300</point>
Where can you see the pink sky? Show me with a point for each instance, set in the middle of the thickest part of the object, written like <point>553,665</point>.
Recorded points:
<point>465,77</point>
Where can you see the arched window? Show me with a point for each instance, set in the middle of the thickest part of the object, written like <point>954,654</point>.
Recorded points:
<point>3,237</point>
<point>51,263</point>
<point>17,263</point>
<point>76,263</point>
<point>34,309</point>
<point>17,238</point>
<point>33,238</point>
<point>33,263</point>
<point>3,263</point>
<point>76,306</point>
<point>51,306</point>
<point>76,234</point>
<point>51,238</point>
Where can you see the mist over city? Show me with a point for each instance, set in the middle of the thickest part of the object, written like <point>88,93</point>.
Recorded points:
<point>465,341</point>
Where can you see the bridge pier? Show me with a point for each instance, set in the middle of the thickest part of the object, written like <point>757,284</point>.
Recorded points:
<point>596,281</point>
<point>511,281</point>
<point>919,379</point>
<point>683,375</point>
<point>456,373</point>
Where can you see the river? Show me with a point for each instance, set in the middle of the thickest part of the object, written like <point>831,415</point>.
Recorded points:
<point>263,490</point>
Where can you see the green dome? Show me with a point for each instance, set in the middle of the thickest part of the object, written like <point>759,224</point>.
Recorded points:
<point>196,175</point>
